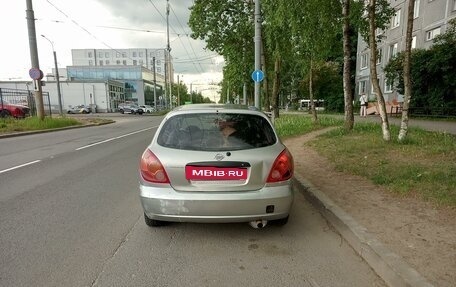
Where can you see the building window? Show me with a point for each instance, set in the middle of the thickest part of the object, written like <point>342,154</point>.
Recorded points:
<point>135,62</point>
<point>396,21</point>
<point>392,50</point>
<point>101,63</point>
<point>431,34</point>
<point>100,55</point>
<point>413,42</point>
<point>107,62</point>
<point>159,69</point>
<point>141,62</point>
<point>372,87</point>
<point>388,87</point>
<point>363,61</point>
<point>151,62</point>
<point>124,62</point>
<point>107,55</point>
<point>118,62</point>
<point>416,9</point>
<point>379,56</point>
<point>124,54</point>
<point>90,63</point>
<point>362,87</point>
<point>140,54</point>
<point>158,62</point>
<point>90,55</point>
<point>117,55</point>
<point>134,54</point>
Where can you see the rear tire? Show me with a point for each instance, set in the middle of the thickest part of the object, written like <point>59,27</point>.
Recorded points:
<point>153,222</point>
<point>4,114</point>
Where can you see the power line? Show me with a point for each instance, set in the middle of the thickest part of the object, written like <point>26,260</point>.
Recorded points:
<point>191,46</point>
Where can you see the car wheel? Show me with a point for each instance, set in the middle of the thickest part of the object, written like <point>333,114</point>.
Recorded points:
<point>4,114</point>
<point>280,222</point>
<point>153,222</point>
<point>121,111</point>
<point>84,112</point>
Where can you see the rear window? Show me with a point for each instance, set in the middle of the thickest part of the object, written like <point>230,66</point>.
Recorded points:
<point>216,132</point>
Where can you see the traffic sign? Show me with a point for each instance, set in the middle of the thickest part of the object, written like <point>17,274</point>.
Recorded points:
<point>36,74</point>
<point>257,75</point>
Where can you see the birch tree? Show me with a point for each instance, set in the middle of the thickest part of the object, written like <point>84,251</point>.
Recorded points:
<point>378,17</point>
<point>407,78</point>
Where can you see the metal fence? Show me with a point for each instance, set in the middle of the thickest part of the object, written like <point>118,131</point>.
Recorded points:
<point>25,98</point>
<point>443,112</point>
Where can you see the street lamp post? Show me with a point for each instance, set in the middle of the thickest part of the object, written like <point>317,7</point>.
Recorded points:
<point>59,95</point>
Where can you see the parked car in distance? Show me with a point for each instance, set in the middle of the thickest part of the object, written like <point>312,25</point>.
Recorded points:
<point>8,109</point>
<point>80,109</point>
<point>147,109</point>
<point>213,163</point>
<point>130,109</point>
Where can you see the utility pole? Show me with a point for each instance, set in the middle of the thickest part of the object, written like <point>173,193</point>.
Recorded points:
<point>57,76</point>
<point>257,41</point>
<point>168,48</point>
<point>35,73</point>
<point>155,85</point>
<point>178,94</point>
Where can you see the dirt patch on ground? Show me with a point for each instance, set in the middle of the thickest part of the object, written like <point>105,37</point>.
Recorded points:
<point>422,234</point>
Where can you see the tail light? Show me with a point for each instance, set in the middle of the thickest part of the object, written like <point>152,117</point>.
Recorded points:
<point>283,167</point>
<point>151,168</point>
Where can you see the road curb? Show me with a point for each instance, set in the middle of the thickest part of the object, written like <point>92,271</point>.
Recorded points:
<point>388,265</point>
<point>16,134</point>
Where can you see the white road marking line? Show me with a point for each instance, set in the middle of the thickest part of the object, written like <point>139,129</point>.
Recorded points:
<point>115,138</point>
<point>19,166</point>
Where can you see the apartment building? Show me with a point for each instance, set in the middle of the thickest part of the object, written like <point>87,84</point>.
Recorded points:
<point>430,19</point>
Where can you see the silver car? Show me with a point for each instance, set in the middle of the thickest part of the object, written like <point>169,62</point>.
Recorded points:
<point>216,163</point>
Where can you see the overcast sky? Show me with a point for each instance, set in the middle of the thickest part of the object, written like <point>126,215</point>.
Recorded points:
<point>102,24</point>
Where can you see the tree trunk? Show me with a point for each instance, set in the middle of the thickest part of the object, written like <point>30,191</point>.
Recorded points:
<point>348,96</point>
<point>311,96</point>
<point>276,86</point>
<point>373,72</point>
<point>267,102</point>
<point>407,80</point>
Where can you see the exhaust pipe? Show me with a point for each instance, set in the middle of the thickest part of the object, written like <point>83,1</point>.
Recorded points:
<point>258,223</point>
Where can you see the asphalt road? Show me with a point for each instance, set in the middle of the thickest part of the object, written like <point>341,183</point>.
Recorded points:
<point>70,216</point>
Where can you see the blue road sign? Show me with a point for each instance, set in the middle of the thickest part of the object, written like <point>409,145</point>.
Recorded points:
<point>257,75</point>
<point>35,74</point>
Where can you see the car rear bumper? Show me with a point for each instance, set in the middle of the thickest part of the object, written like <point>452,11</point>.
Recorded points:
<point>216,207</point>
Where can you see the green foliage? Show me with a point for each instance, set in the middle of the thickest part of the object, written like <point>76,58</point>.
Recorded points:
<point>424,165</point>
<point>291,125</point>
<point>33,123</point>
<point>294,31</point>
<point>383,14</point>
<point>327,86</point>
<point>227,27</point>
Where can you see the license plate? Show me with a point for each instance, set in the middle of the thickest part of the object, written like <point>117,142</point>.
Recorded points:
<point>215,173</point>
